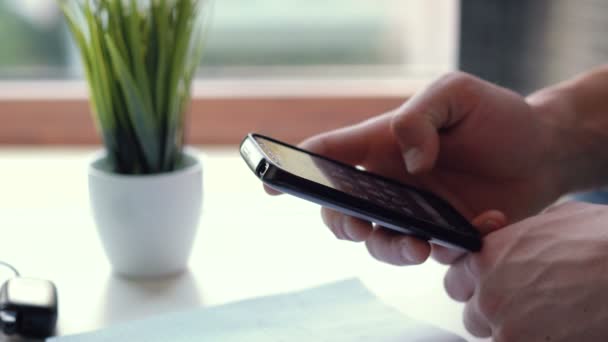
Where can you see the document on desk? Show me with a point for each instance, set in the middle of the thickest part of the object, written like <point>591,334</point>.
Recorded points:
<point>343,311</point>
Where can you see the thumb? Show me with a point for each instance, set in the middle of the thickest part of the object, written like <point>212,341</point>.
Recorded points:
<point>442,105</point>
<point>419,140</point>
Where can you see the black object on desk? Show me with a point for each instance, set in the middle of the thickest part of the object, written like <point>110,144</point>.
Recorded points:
<point>28,307</point>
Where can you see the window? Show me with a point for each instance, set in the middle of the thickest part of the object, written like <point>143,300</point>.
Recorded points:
<point>265,38</point>
<point>337,38</point>
<point>266,44</point>
<point>33,40</point>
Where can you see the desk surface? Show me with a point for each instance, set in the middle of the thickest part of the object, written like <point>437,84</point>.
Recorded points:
<point>249,244</point>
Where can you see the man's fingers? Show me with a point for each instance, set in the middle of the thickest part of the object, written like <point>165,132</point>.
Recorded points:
<point>485,223</point>
<point>474,321</point>
<point>419,140</point>
<point>396,248</point>
<point>569,205</point>
<point>444,104</point>
<point>459,283</point>
<point>383,244</point>
<point>346,227</point>
<point>350,144</point>
<point>269,190</point>
<point>445,255</point>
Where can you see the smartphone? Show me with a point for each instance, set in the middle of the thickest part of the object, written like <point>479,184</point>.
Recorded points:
<point>356,192</point>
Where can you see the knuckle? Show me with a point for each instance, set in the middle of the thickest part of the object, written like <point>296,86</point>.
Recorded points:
<point>464,86</point>
<point>456,79</point>
<point>570,206</point>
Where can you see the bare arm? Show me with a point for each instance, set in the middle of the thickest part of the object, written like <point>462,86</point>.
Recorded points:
<point>577,110</point>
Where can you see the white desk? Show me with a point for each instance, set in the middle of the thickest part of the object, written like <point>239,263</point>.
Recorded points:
<point>249,244</point>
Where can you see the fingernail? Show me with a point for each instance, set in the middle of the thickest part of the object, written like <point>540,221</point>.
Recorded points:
<point>337,227</point>
<point>490,224</point>
<point>413,159</point>
<point>406,253</point>
<point>347,229</point>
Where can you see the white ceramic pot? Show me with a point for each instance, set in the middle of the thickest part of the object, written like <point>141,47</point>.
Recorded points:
<point>147,224</point>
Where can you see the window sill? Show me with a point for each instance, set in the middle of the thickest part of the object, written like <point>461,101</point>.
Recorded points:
<point>222,111</point>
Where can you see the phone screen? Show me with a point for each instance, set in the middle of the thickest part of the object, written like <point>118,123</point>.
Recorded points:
<point>353,182</point>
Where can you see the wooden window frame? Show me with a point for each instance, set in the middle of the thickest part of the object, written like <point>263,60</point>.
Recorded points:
<point>222,111</point>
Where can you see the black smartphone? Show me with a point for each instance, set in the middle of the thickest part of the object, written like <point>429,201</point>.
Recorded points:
<point>352,191</point>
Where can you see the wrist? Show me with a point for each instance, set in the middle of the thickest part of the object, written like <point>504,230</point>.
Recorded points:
<point>553,108</point>
<point>573,116</point>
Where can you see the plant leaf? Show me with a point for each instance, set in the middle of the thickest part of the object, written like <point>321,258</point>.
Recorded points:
<point>139,61</point>
<point>143,123</point>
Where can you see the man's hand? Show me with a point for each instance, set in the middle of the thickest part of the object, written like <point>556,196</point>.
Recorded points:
<point>481,147</point>
<point>542,279</point>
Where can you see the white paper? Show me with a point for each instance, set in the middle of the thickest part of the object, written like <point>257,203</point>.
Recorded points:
<point>343,311</point>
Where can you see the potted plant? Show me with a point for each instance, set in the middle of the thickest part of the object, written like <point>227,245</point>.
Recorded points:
<point>139,58</point>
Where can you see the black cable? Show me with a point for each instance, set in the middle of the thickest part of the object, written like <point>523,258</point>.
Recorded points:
<point>10,267</point>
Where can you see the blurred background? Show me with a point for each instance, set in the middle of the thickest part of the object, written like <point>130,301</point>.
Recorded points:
<point>265,38</point>
<point>520,44</point>
<point>527,45</point>
<point>357,58</point>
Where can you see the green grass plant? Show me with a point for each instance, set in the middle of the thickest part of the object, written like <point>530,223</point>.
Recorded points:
<point>139,57</point>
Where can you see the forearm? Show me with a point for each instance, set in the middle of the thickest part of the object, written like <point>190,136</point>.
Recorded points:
<point>576,113</point>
